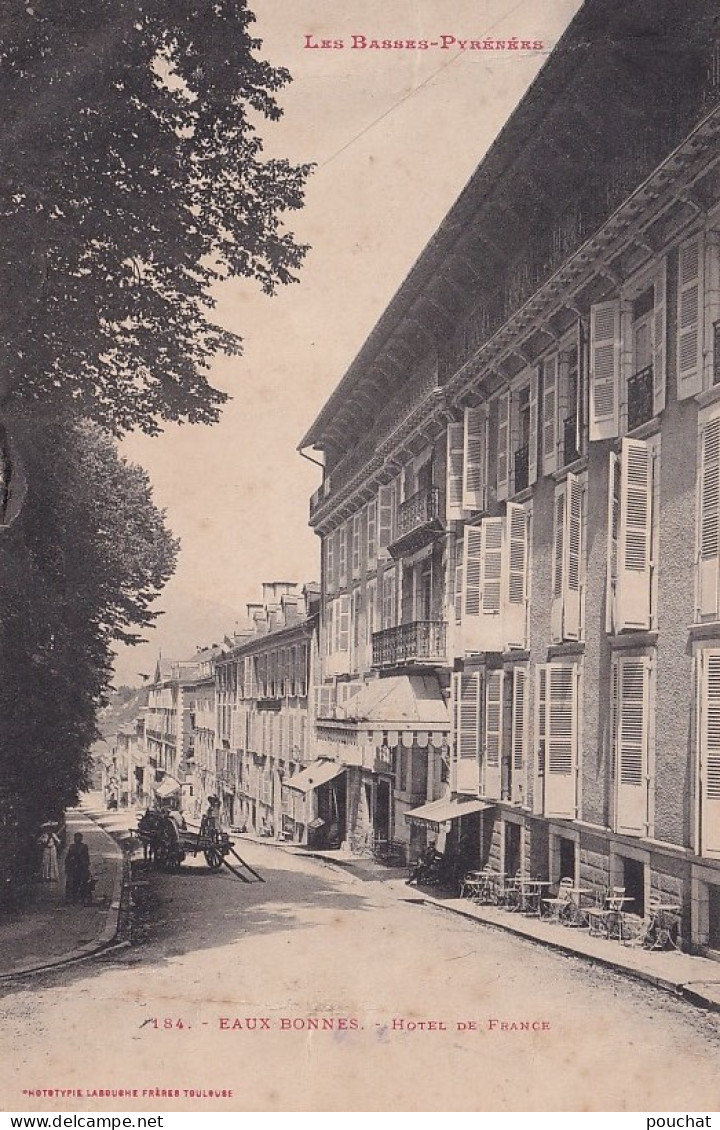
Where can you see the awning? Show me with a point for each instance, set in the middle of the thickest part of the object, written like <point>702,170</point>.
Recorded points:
<point>399,702</point>
<point>315,775</point>
<point>438,812</point>
<point>167,787</point>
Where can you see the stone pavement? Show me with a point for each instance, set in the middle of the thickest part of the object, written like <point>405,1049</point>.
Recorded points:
<point>47,931</point>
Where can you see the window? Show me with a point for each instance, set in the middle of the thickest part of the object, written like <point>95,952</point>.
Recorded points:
<point>371,603</point>
<point>492,590</point>
<point>632,536</point>
<point>371,531</point>
<point>708,548</point>
<point>330,578</point>
<point>556,720</point>
<point>474,483</point>
<point>467,689</point>
<point>631,711</point>
<point>708,671</point>
<point>341,552</point>
<point>389,598</point>
<point>493,744</point>
<point>387,514</point>
<point>518,764</point>
<point>568,571</point>
<point>454,473</point>
<point>355,546</point>
<point>690,311</point>
<point>523,434</point>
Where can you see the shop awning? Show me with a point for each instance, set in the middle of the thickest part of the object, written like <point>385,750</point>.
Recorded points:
<point>315,775</point>
<point>167,787</point>
<point>438,812</point>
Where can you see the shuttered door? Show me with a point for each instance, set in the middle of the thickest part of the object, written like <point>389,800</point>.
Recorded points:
<point>613,529</point>
<point>631,683</point>
<point>475,424</point>
<point>356,546</point>
<point>558,564</point>
<point>491,573</point>
<point>540,736</point>
<point>515,576</point>
<point>573,558</point>
<point>454,473</point>
<point>710,753</point>
<point>493,734</point>
<point>550,415</point>
<point>709,518</point>
<point>503,445</point>
<point>690,318</point>
<point>634,542</point>
<point>561,745</point>
<point>604,369</point>
<point>330,581</point>
<point>659,339</point>
<point>386,509</point>
<point>371,527</point>
<point>467,745</point>
<point>342,542</point>
<point>471,589</point>
<point>342,613</point>
<point>519,735</point>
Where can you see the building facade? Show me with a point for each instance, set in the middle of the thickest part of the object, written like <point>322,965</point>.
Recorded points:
<point>520,510</point>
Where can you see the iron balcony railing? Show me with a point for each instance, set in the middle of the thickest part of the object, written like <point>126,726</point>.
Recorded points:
<point>422,641</point>
<point>522,467</point>
<point>571,450</point>
<point>417,511</point>
<point>640,397</point>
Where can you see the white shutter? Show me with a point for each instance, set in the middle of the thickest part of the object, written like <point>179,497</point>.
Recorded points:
<point>540,736</point>
<point>558,564</point>
<point>471,589</point>
<point>690,318</point>
<point>342,535</point>
<point>604,369</point>
<point>573,558</point>
<point>474,456</point>
<point>371,601</point>
<point>467,732</point>
<point>491,576</point>
<point>330,581</point>
<point>454,473</point>
<point>659,337</point>
<point>491,776</point>
<point>709,519</point>
<point>613,529</point>
<point>515,575</point>
<point>371,527</point>
<point>635,536</point>
<point>519,735</point>
<point>356,546</point>
<point>561,741</point>
<point>533,430</point>
<point>342,618</point>
<point>631,685</point>
<point>550,415</point>
<point>458,592</point>
<point>710,753</point>
<point>386,510</point>
<point>503,445</point>
<point>389,608</point>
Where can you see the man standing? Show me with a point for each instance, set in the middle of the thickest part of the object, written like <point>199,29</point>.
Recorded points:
<point>77,870</point>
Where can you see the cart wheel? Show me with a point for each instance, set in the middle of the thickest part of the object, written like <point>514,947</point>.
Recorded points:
<point>213,858</point>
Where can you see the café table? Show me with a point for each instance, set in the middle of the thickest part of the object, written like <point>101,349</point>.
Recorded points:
<point>573,914</point>
<point>531,891</point>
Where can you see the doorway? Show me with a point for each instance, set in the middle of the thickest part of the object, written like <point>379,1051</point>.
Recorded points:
<point>512,849</point>
<point>567,858</point>
<point>381,822</point>
<point>634,883</point>
<point>713,917</point>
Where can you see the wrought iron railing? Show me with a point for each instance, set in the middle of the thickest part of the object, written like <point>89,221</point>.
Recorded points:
<point>422,641</point>
<point>571,447</point>
<point>640,398</point>
<point>522,467</point>
<point>416,511</point>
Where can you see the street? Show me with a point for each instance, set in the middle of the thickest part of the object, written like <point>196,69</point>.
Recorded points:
<point>325,990</point>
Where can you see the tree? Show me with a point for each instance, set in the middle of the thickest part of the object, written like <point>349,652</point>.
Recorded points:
<point>80,567</point>
<point>133,182</point>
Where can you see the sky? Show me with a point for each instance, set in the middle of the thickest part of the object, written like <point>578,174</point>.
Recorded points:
<point>395,134</point>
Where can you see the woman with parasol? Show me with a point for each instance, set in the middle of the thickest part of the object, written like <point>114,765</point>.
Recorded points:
<point>49,843</point>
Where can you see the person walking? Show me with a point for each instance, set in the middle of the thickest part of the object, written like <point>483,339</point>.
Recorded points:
<point>77,870</point>
<point>49,843</point>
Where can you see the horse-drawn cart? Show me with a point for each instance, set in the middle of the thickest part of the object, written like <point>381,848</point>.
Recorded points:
<point>167,846</point>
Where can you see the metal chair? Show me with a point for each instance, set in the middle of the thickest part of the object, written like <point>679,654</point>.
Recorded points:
<point>557,906</point>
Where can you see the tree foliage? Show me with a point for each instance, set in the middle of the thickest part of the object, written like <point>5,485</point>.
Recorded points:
<point>133,181</point>
<point>80,568</point>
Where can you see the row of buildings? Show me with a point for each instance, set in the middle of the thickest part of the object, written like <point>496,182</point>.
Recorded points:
<point>516,638</point>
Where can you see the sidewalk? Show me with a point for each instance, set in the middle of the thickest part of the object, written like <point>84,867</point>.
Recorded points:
<point>47,932</point>
<point>695,978</point>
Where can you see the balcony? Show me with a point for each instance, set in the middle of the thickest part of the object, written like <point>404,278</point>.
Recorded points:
<point>522,468</point>
<point>418,523</point>
<point>571,450</point>
<point>640,407</point>
<point>422,641</point>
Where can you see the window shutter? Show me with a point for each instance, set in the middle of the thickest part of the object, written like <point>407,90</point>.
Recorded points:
<point>659,337</point>
<point>613,529</point>
<point>389,598</point>
<point>356,546</point>
<point>386,508</point>
<point>709,519</point>
<point>689,318</point>
<point>533,431</point>
<point>342,536</point>
<point>458,592</point>
<point>573,565</point>
<point>343,623</point>
<point>330,559</point>
<point>454,473</point>
<point>467,716</point>
<point>519,735</point>
<point>634,542</point>
<point>631,683</point>
<point>371,526</point>
<point>558,564</point>
<point>516,571</point>
<point>491,570</point>
<point>604,369</point>
<point>710,753</point>
<point>540,735</point>
<point>550,415</point>
<point>503,445</point>
<point>561,745</point>
<point>493,734</point>
<point>371,600</point>
<point>474,455</point>
<point>471,588</point>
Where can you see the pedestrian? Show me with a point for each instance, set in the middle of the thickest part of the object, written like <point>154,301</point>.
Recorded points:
<point>49,843</point>
<point>77,870</point>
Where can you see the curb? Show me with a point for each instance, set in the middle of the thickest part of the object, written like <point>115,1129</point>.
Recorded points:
<point>101,944</point>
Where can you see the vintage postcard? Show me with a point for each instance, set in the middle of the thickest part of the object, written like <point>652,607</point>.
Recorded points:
<point>410,800</point>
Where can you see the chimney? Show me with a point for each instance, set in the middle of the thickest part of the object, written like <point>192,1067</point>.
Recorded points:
<point>274,616</point>
<point>290,609</point>
<point>261,624</point>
